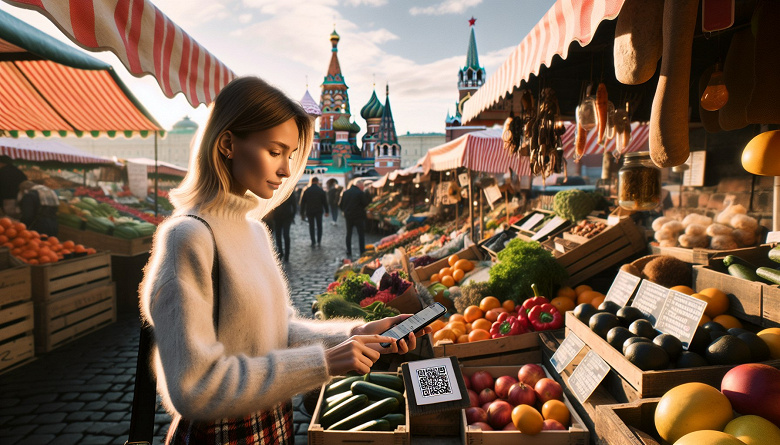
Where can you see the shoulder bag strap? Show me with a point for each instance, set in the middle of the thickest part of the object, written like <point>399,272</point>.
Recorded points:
<point>145,390</point>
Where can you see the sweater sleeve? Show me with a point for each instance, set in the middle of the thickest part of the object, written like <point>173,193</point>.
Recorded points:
<point>202,381</point>
<point>330,333</point>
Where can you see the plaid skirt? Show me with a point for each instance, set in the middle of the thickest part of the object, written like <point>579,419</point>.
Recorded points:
<point>274,426</point>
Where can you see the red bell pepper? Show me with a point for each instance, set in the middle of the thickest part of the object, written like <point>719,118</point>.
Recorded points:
<point>507,325</point>
<point>545,317</point>
<point>535,301</point>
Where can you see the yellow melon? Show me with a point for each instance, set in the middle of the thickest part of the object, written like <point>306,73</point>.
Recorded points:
<point>691,407</point>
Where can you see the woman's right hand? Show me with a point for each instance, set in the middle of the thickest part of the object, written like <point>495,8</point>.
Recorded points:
<point>353,354</point>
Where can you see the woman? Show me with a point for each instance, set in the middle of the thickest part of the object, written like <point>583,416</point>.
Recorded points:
<point>231,380</point>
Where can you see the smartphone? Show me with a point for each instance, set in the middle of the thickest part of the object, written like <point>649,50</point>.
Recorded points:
<point>415,322</point>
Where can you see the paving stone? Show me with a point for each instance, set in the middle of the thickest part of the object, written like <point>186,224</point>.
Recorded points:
<point>22,430</point>
<point>117,406</point>
<point>89,396</point>
<point>53,428</point>
<point>78,427</point>
<point>9,402</point>
<point>97,415</point>
<point>16,410</point>
<point>91,439</point>
<point>96,405</point>
<point>117,429</point>
<point>5,419</point>
<point>114,417</point>
<point>127,398</point>
<point>39,439</point>
<point>44,419</point>
<point>68,396</point>
<point>78,416</point>
<point>50,407</point>
<point>67,439</point>
<point>112,396</point>
<point>21,420</point>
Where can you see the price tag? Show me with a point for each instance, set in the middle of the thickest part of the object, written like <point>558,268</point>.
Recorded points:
<point>463,179</point>
<point>680,316</point>
<point>588,375</point>
<point>694,176</point>
<point>650,298</point>
<point>492,194</point>
<point>377,275</point>
<point>549,228</point>
<point>773,237</point>
<point>622,288</point>
<point>434,381</point>
<point>568,349</point>
<point>532,222</point>
<point>612,220</point>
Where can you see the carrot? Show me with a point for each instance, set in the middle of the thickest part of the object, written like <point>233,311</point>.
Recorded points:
<point>579,142</point>
<point>601,110</point>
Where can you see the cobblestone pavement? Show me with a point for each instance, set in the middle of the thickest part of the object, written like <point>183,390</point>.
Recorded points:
<point>81,393</point>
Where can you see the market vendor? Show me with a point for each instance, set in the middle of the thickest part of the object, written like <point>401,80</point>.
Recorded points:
<point>10,179</point>
<point>39,205</point>
<point>229,362</point>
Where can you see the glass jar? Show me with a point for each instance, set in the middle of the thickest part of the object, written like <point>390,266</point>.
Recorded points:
<point>640,182</point>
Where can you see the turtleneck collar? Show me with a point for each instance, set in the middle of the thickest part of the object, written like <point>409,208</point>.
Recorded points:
<point>235,207</point>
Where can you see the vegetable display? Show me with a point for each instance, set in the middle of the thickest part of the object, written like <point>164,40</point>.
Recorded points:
<point>507,325</point>
<point>545,317</point>
<point>574,204</point>
<point>521,264</point>
<point>367,403</point>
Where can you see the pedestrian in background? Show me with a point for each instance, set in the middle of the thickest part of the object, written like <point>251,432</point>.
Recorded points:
<point>283,217</point>
<point>10,179</point>
<point>314,202</point>
<point>39,205</point>
<point>334,194</point>
<point>353,203</point>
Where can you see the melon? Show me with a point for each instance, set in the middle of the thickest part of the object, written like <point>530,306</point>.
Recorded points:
<point>691,407</point>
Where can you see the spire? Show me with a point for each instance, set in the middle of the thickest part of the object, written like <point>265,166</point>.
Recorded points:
<point>387,133</point>
<point>309,105</point>
<point>334,69</point>
<point>472,58</point>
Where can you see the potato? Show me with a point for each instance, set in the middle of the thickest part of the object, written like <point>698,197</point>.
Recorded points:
<point>719,229</point>
<point>673,227</point>
<point>665,235</point>
<point>723,242</point>
<point>695,218</point>
<point>693,241</point>
<point>745,238</point>
<point>696,230</point>
<point>660,221</point>
<point>744,222</point>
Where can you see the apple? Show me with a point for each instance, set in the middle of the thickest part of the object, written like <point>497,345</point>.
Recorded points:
<point>552,424</point>
<point>467,381</point>
<point>473,398</point>
<point>530,374</point>
<point>503,384</point>
<point>548,389</point>
<point>481,380</point>
<point>510,427</point>
<point>475,414</point>
<point>486,406</point>
<point>482,425</point>
<point>521,394</point>
<point>487,395</point>
<point>499,414</point>
<point>754,388</point>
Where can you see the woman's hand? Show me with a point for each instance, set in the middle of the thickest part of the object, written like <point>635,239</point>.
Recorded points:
<point>377,327</point>
<point>358,353</point>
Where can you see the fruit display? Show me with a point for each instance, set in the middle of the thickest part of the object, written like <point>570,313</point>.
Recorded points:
<point>399,240</point>
<point>372,402</point>
<point>34,248</point>
<point>102,217</point>
<point>521,264</point>
<point>730,229</point>
<point>99,196</point>
<point>743,269</point>
<point>588,229</point>
<point>455,273</point>
<point>356,296</point>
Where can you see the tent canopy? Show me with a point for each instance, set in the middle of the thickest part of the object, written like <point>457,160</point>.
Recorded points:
<point>481,151</point>
<point>163,168</point>
<point>48,86</point>
<point>49,150</point>
<point>640,133</point>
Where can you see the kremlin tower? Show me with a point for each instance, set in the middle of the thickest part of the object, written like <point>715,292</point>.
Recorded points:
<point>470,78</point>
<point>387,151</point>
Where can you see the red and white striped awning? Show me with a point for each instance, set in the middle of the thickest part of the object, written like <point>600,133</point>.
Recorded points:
<point>47,150</point>
<point>163,168</point>
<point>567,21</point>
<point>481,151</point>
<point>144,39</point>
<point>640,133</point>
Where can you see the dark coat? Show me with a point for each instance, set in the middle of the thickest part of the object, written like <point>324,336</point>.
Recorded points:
<point>314,201</point>
<point>353,203</point>
<point>285,212</point>
<point>10,178</point>
<point>334,193</point>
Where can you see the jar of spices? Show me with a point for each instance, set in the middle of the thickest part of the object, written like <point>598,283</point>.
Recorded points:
<point>640,182</point>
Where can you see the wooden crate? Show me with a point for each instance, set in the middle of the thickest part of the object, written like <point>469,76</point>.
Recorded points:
<point>770,306</point>
<point>100,241</point>
<point>512,350</point>
<point>16,334</point>
<point>14,279</point>
<point>591,256</point>
<point>66,277</point>
<point>577,434</point>
<point>423,273</point>
<point>643,384</point>
<point>630,423</point>
<point>67,318</point>
<point>696,256</point>
<point>320,436</point>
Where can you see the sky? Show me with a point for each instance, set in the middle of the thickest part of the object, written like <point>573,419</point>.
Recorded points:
<point>415,46</point>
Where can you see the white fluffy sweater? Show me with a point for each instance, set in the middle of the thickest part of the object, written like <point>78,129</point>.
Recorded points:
<point>263,353</point>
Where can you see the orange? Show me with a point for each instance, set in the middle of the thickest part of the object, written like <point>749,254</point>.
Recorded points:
<point>458,275</point>
<point>6,222</point>
<point>564,304</point>
<point>704,319</point>
<point>462,265</point>
<point>448,281</point>
<point>596,302</point>
<point>508,305</point>
<point>35,234</point>
<point>718,301</point>
<point>3,239</point>
<point>33,261</point>
<point>445,272</point>
<point>468,327</point>
<point>527,419</point>
<point>567,292</point>
<point>29,254</point>
<point>53,240</point>
<point>18,242</point>
<point>437,324</point>
<point>444,334</point>
<point>20,226</point>
<point>435,278</point>
<point>11,233</point>
<point>472,313</point>
<point>727,321</point>
<point>582,288</point>
<point>489,303</point>
<point>587,296</point>
<point>482,323</point>
<point>79,248</point>
<point>68,244</point>
<point>24,234</point>
<point>458,327</point>
<point>492,315</point>
<point>91,251</point>
<point>684,289</point>
<point>479,334</point>
<point>463,338</point>
<point>452,259</point>
<point>2,230</point>
<point>457,317</point>
<point>555,409</point>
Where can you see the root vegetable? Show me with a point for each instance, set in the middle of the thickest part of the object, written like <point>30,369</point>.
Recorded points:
<point>719,229</point>
<point>673,227</point>
<point>638,40</point>
<point>665,235</point>
<point>723,242</point>
<point>693,241</point>
<point>660,221</point>
<point>696,230</point>
<point>744,238</point>
<point>695,218</point>
<point>744,222</point>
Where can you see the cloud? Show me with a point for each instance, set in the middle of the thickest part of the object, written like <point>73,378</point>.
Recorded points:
<point>366,2</point>
<point>379,36</point>
<point>445,7</point>
<point>244,18</point>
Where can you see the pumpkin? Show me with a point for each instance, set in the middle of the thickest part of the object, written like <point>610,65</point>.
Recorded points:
<point>761,155</point>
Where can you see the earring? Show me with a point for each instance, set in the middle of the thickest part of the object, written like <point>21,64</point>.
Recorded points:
<point>230,156</point>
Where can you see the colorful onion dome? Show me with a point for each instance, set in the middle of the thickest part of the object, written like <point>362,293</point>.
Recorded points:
<point>373,109</point>
<point>342,123</point>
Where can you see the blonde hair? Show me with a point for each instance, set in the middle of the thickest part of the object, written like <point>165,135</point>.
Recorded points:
<point>246,105</point>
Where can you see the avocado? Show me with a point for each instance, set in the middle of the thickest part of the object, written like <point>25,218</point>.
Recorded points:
<point>759,351</point>
<point>738,331</point>
<point>633,340</point>
<point>643,328</point>
<point>713,326</point>
<point>602,322</point>
<point>728,350</point>
<point>700,341</point>
<point>609,306</point>
<point>617,336</point>
<point>671,344</point>
<point>584,311</point>
<point>714,335</point>
<point>628,315</point>
<point>690,359</point>
<point>647,356</point>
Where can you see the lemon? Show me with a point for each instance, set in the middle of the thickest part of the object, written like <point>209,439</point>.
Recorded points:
<point>708,437</point>
<point>753,430</point>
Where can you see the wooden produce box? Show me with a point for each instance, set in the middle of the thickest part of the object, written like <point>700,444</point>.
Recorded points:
<point>696,256</point>
<point>587,257</point>
<point>319,436</point>
<point>100,241</point>
<point>14,279</point>
<point>513,350</point>
<point>408,302</point>
<point>577,433</point>
<point>69,317</point>
<point>67,277</point>
<point>630,423</point>
<point>424,273</point>
<point>16,333</point>
<point>637,384</point>
<point>528,233</point>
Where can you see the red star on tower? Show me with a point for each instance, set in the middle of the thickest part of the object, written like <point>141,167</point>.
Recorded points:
<point>472,20</point>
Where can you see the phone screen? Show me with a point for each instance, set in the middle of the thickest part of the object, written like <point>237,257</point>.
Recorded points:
<point>415,322</point>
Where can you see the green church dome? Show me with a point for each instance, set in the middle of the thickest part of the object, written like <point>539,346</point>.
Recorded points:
<point>373,109</point>
<point>342,123</point>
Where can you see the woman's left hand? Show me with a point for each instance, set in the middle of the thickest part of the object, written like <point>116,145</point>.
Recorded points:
<point>378,327</point>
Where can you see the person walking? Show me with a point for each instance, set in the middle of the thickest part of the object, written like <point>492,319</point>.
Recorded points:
<point>39,205</point>
<point>314,202</point>
<point>334,194</point>
<point>283,217</point>
<point>231,351</point>
<point>353,203</point>
<point>10,180</point>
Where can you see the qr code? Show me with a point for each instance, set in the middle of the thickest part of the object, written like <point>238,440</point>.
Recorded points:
<point>434,381</point>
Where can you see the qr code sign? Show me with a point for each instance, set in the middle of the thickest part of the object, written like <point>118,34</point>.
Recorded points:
<point>434,381</point>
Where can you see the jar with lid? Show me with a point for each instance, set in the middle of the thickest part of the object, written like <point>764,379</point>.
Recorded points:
<point>640,182</point>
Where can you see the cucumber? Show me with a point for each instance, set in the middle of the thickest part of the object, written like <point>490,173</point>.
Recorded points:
<point>334,400</point>
<point>373,425</point>
<point>374,391</point>
<point>371,412</point>
<point>340,386</point>
<point>343,410</point>
<point>395,420</point>
<point>769,274</point>
<point>774,254</point>
<point>387,380</point>
<point>742,271</point>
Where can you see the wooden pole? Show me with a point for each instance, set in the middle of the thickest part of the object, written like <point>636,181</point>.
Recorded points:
<point>481,217</point>
<point>471,208</point>
<point>155,173</point>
